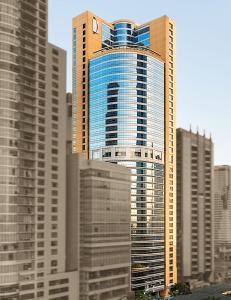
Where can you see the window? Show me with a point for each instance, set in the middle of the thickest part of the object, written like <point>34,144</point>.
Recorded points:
<point>54,252</point>
<point>54,263</point>
<point>40,285</point>
<point>40,265</point>
<point>40,253</point>
<point>40,293</point>
<point>113,142</point>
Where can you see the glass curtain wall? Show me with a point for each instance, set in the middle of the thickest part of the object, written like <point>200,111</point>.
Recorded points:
<point>126,126</point>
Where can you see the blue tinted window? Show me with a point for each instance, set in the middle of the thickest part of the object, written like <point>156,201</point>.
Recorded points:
<point>127,97</point>
<point>125,34</point>
<point>143,30</point>
<point>122,25</point>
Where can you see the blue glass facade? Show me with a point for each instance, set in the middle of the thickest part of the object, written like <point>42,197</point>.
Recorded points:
<point>126,126</point>
<point>125,34</point>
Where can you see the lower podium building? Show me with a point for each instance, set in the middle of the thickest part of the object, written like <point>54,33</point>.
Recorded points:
<point>98,228</point>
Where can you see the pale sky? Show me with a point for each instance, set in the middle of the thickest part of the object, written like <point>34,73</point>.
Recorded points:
<point>203,55</point>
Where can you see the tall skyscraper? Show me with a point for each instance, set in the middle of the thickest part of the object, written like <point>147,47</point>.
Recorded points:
<point>194,206</point>
<point>124,113</point>
<point>32,157</point>
<point>222,221</point>
<point>98,230</point>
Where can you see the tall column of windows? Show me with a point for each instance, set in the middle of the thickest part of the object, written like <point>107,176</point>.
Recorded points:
<point>74,103</point>
<point>41,133</point>
<point>208,210</point>
<point>41,26</point>
<point>54,160</point>
<point>80,93</point>
<point>171,152</point>
<point>84,89</point>
<point>194,208</point>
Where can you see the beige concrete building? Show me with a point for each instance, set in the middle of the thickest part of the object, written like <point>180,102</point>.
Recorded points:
<point>32,157</point>
<point>222,222</point>
<point>98,226</point>
<point>194,206</point>
<point>124,107</point>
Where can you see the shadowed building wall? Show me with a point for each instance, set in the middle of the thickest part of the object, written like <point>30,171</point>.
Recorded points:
<point>32,157</point>
<point>222,221</point>
<point>194,206</point>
